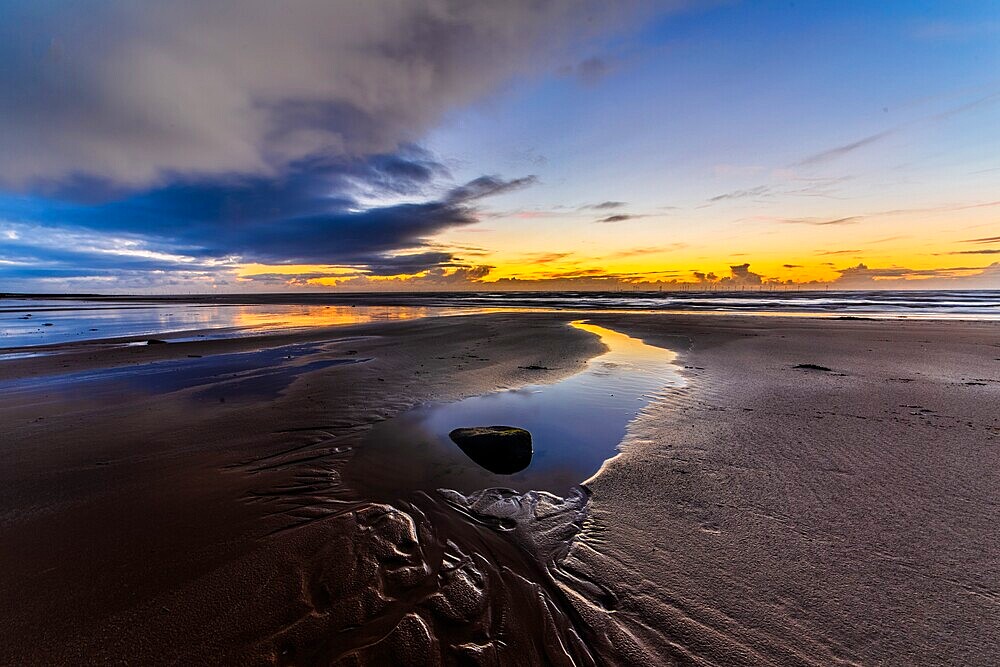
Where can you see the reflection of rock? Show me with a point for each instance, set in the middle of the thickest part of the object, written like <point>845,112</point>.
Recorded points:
<point>500,449</point>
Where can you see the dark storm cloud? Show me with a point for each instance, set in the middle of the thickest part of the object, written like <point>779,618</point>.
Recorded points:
<point>188,137</point>
<point>407,264</point>
<point>134,92</point>
<point>311,215</point>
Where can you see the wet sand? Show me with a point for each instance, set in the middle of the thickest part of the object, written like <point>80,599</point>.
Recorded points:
<point>762,514</point>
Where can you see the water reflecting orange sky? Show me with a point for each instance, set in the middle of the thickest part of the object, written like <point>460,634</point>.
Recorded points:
<point>320,316</point>
<point>29,322</point>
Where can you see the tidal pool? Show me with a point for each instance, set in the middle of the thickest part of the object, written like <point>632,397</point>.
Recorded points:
<point>576,424</point>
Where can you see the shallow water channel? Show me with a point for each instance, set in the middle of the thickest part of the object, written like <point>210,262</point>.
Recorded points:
<point>576,424</point>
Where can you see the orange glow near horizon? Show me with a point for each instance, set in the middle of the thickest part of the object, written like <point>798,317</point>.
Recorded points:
<point>902,249</point>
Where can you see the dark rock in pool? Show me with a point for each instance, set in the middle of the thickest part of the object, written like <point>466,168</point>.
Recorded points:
<point>503,450</point>
<point>156,341</point>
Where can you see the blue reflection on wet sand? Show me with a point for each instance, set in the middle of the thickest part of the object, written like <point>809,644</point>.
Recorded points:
<point>255,375</point>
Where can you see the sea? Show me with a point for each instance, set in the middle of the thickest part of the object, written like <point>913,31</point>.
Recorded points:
<point>30,320</point>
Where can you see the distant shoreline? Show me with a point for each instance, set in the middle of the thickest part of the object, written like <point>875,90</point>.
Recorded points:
<point>312,295</point>
<point>882,304</point>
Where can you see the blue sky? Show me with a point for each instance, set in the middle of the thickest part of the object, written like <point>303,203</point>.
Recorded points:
<point>424,146</point>
<point>745,85</point>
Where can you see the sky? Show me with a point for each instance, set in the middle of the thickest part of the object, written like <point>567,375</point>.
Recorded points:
<point>319,145</point>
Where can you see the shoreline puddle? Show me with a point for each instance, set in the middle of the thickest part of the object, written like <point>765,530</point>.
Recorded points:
<point>576,424</point>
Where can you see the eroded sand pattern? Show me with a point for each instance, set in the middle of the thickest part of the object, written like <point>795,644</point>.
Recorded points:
<point>420,574</point>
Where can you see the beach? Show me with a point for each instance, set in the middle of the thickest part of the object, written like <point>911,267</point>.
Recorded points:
<point>816,491</point>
